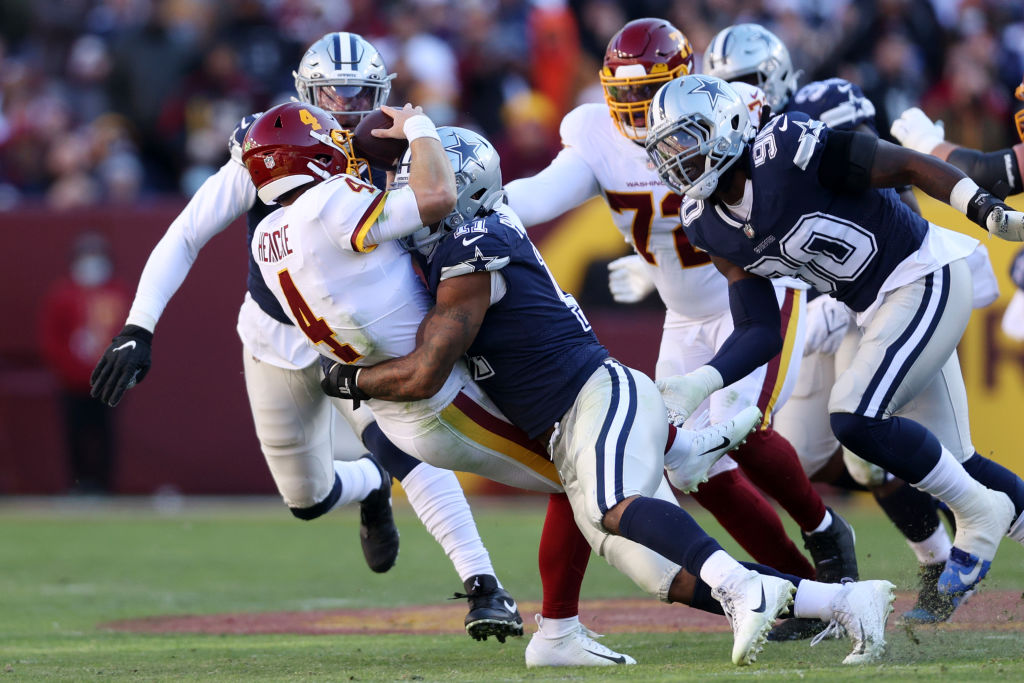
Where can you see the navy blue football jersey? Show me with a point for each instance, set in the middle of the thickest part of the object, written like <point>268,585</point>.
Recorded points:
<point>535,348</point>
<point>845,245</point>
<point>257,287</point>
<point>835,101</point>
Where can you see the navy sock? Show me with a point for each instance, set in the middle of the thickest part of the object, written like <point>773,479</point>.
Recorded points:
<point>703,601</point>
<point>397,462</point>
<point>668,530</point>
<point>997,477</point>
<point>896,444</point>
<point>323,506</point>
<point>914,512</point>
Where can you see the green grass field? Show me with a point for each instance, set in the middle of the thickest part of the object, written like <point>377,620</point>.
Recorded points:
<point>66,567</point>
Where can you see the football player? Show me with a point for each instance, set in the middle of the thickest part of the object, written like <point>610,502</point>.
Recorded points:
<point>535,355</point>
<point>604,155</point>
<point>295,424</point>
<point>998,172</point>
<point>330,248</point>
<point>751,54</point>
<point>801,199</point>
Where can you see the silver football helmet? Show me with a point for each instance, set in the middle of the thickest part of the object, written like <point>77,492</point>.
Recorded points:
<point>345,75</point>
<point>752,53</point>
<point>697,127</point>
<point>477,182</point>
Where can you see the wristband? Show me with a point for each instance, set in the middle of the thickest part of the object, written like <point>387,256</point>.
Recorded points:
<point>420,126</point>
<point>963,192</point>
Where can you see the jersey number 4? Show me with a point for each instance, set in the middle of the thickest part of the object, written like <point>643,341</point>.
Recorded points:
<point>643,204</point>
<point>318,331</point>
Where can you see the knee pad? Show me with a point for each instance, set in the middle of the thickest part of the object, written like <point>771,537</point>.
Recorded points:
<point>863,472</point>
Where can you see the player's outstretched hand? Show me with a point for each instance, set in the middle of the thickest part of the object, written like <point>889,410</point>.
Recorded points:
<point>827,321</point>
<point>400,116</point>
<point>683,394</point>
<point>340,381</point>
<point>1006,224</point>
<point>916,131</point>
<point>123,365</point>
<point>628,280</point>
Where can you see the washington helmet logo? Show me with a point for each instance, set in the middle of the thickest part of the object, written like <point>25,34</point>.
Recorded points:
<point>268,162</point>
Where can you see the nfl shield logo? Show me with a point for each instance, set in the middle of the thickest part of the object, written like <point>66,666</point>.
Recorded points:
<point>268,162</point>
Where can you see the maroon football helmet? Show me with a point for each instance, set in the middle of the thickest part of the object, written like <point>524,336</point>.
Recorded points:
<point>294,144</point>
<point>644,55</point>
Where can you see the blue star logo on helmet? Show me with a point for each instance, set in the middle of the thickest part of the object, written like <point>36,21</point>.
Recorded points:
<point>467,150</point>
<point>712,88</point>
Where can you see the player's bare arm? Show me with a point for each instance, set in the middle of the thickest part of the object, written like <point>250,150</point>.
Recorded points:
<point>430,172</point>
<point>444,335</point>
<point>855,161</point>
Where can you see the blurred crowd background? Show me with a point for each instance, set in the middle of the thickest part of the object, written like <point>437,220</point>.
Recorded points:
<point>106,101</point>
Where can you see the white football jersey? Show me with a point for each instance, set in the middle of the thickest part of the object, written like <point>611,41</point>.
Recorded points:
<point>356,303</point>
<point>646,212</point>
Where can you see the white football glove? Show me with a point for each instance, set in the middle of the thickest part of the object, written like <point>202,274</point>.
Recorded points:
<point>916,131</point>
<point>1007,225</point>
<point>683,394</point>
<point>827,320</point>
<point>628,279</point>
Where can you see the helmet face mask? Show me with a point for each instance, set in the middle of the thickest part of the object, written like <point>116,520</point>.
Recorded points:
<point>292,145</point>
<point>697,128</point>
<point>754,55</point>
<point>343,74</point>
<point>477,183</point>
<point>644,55</point>
<point>1018,118</point>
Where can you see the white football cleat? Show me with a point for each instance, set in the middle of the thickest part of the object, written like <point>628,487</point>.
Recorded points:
<point>578,648</point>
<point>860,610</point>
<point>752,602</point>
<point>982,523</point>
<point>687,472</point>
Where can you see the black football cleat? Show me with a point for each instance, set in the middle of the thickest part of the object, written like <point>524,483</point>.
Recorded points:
<point>833,551</point>
<point>492,611</point>
<point>796,629</point>
<point>377,531</point>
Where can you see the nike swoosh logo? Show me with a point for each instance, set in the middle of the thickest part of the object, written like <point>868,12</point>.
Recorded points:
<point>510,606</point>
<point>126,345</point>
<point>760,608</point>
<point>618,659</point>
<point>725,442</point>
<point>971,576</point>
<point>466,242</point>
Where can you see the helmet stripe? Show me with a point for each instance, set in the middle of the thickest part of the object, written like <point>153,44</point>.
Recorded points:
<point>337,50</point>
<point>352,48</point>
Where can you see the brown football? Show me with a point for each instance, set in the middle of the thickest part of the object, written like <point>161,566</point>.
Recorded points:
<point>382,153</point>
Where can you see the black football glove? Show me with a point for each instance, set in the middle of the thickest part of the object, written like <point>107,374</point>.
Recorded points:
<point>123,365</point>
<point>340,381</point>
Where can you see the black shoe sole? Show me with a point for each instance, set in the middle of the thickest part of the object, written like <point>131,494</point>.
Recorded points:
<point>500,629</point>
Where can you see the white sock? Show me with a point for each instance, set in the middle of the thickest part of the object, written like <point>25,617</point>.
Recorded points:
<point>439,502</point>
<point>1016,531</point>
<point>558,628</point>
<point>359,478</point>
<point>949,482</point>
<point>826,522</point>
<point>717,568</point>
<point>679,450</point>
<point>813,599</point>
<point>934,549</point>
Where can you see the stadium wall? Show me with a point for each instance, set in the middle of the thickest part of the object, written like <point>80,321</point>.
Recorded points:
<point>188,427</point>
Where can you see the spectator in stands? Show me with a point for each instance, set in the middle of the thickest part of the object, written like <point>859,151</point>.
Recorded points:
<point>80,314</point>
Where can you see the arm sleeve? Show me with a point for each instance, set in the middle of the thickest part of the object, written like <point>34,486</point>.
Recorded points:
<point>567,182</point>
<point>755,338</point>
<point>224,196</point>
<point>997,172</point>
<point>399,216</point>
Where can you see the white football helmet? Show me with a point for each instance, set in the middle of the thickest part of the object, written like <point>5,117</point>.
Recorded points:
<point>753,54</point>
<point>477,182</point>
<point>345,75</point>
<point>697,127</point>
